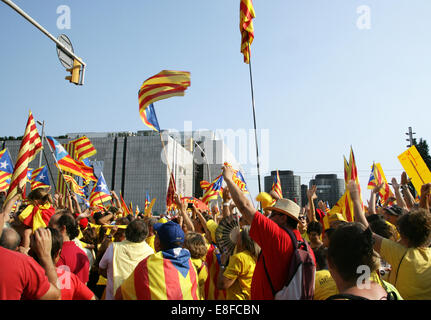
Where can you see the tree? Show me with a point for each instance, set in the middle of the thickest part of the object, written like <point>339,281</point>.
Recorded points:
<point>423,150</point>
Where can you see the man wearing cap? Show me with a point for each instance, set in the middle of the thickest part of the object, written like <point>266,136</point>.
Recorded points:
<point>166,275</point>
<point>268,233</point>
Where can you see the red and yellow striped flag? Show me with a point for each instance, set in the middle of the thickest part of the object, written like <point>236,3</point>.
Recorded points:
<point>246,16</point>
<point>276,186</point>
<point>74,186</point>
<point>83,148</point>
<point>31,145</point>
<point>163,85</point>
<point>161,278</point>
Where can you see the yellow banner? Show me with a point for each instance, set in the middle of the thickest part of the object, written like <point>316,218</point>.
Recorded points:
<point>415,168</point>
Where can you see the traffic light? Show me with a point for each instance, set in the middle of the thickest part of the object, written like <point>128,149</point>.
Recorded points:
<point>75,72</point>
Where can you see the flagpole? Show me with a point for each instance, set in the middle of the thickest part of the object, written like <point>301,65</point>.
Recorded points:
<point>254,118</point>
<point>167,161</point>
<point>49,169</point>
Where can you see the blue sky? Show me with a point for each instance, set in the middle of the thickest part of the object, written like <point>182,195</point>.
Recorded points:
<point>321,84</point>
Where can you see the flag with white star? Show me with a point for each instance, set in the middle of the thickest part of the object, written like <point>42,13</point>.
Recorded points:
<point>100,192</point>
<point>6,169</point>
<point>39,178</point>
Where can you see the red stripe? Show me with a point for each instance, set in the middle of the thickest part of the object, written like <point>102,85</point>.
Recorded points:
<point>193,279</point>
<point>161,86</point>
<point>142,282</point>
<point>172,281</point>
<point>160,94</point>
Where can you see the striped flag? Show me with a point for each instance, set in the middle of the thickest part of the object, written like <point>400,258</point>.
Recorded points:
<point>246,16</point>
<point>66,163</point>
<point>163,85</point>
<point>74,186</point>
<point>83,148</point>
<point>378,177</point>
<point>350,173</point>
<point>126,211</point>
<point>39,178</point>
<point>213,190</point>
<point>239,180</point>
<point>100,192</point>
<point>172,189</point>
<point>276,186</point>
<point>6,169</point>
<point>165,275</point>
<point>150,119</point>
<point>31,145</point>
<point>147,201</point>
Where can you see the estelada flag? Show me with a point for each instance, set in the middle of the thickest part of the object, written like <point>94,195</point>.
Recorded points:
<point>6,169</point>
<point>31,145</point>
<point>377,177</point>
<point>246,16</point>
<point>165,275</point>
<point>39,178</point>
<point>100,192</point>
<point>213,190</point>
<point>149,117</point>
<point>74,186</point>
<point>66,163</point>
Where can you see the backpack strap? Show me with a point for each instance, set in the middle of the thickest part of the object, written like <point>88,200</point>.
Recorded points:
<point>267,275</point>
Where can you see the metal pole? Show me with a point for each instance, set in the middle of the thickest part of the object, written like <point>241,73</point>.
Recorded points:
<point>43,135</point>
<point>37,25</point>
<point>254,120</point>
<point>206,159</point>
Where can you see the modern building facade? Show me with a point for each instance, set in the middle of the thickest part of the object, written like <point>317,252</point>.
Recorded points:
<point>329,187</point>
<point>290,185</point>
<point>135,163</point>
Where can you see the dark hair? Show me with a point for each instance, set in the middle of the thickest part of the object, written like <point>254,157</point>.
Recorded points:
<point>320,254</point>
<point>374,217</point>
<point>136,231</point>
<point>39,194</point>
<point>57,242</point>
<point>314,226</point>
<point>380,227</point>
<point>350,247</point>
<point>416,227</point>
<point>68,221</point>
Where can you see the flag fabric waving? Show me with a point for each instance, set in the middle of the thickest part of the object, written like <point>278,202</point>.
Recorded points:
<point>276,186</point>
<point>213,190</point>
<point>172,189</point>
<point>378,177</point>
<point>83,148</point>
<point>239,180</point>
<point>246,16</point>
<point>66,163</point>
<point>6,169</point>
<point>163,85</point>
<point>150,119</point>
<point>39,178</point>
<point>31,145</point>
<point>100,192</point>
<point>74,186</point>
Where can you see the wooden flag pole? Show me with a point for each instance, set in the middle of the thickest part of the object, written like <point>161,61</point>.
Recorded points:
<point>254,119</point>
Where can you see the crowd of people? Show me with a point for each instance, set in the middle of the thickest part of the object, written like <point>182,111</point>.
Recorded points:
<point>52,249</point>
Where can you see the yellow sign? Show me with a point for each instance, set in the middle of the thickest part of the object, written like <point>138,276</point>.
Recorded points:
<point>415,168</point>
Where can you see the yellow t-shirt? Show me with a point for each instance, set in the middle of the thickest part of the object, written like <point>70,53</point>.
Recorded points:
<point>413,280</point>
<point>202,271</point>
<point>241,267</point>
<point>325,285</point>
